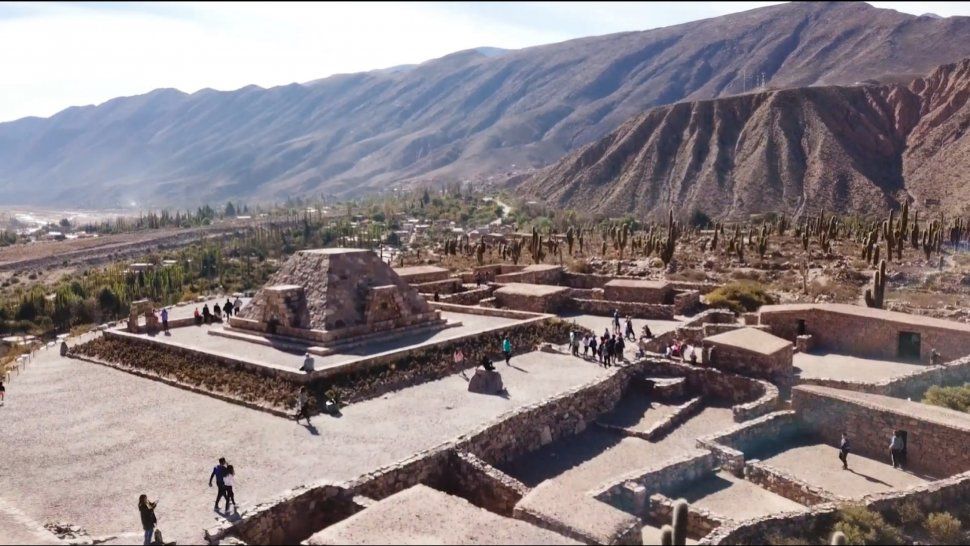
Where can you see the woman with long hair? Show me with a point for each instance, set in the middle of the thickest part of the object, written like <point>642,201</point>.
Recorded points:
<point>148,519</point>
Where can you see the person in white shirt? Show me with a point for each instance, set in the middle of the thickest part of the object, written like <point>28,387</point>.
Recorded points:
<point>229,480</point>
<point>307,364</point>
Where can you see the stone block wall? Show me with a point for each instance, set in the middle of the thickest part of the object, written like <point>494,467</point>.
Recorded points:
<point>469,297</point>
<point>671,477</point>
<point>484,485</point>
<point>947,495</point>
<point>635,310</point>
<point>445,286</point>
<point>859,335</point>
<point>538,274</point>
<point>535,303</point>
<point>686,302</point>
<point>729,446</point>
<point>934,447</point>
<point>700,522</point>
<point>776,367</point>
<point>622,290</point>
<point>539,424</point>
<point>749,397</point>
<point>783,484</point>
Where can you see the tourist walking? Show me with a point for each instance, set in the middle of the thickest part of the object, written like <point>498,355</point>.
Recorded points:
<point>303,402</point>
<point>165,319</point>
<point>219,473</point>
<point>228,308</point>
<point>619,347</point>
<point>308,363</point>
<point>592,345</point>
<point>3,393</point>
<point>616,320</point>
<point>630,334</point>
<point>230,480</point>
<point>507,350</point>
<point>610,348</point>
<point>148,519</point>
<point>896,450</point>
<point>844,451</point>
<point>572,342</point>
<point>237,305</point>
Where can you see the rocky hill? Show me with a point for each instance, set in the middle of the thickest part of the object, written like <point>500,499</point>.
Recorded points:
<point>478,113</point>
<point>847,149</point>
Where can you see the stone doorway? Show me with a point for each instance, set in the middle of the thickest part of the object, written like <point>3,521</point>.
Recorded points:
<point>909,346</point>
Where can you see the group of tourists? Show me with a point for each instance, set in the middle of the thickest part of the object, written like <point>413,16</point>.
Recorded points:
<point>686,352</point>
<point>607,349</point>
<point>207,316</point>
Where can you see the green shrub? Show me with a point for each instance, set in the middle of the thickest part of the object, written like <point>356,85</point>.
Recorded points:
<point>776,539</point>
<point>863,526</point>
<point>909,513</point>
<point>957,398</point>
<point>740,297</point>
<point>943,528</point>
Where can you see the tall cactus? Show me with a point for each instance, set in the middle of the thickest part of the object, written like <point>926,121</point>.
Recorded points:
<point>680,522</point>
<point>570,238</point>
<point>763,241</point>
<point>670,243</point>
<point>875,296</point>
<point>666,536</point>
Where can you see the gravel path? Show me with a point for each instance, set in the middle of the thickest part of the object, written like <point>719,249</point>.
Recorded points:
<point>85,440</point>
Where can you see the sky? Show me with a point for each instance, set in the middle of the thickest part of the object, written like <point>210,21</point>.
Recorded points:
<point>56,55</point>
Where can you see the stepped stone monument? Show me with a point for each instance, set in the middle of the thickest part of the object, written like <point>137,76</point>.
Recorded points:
<point>335,295</point>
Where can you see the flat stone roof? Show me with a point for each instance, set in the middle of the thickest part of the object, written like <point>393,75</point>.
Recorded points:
<point>750,339</point>
<point>419,270</point>
<point>868,313</point>
<point>638,283</point>
<point>332,251</point>
<point>421,515</point>
<point>540,267</point>
<point>913,410</point>
<point>525,289</point>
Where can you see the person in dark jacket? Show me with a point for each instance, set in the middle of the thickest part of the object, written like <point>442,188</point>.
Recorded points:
<point>219,473</point>
<point>844,451</point>
<point>206,314</point>
<point>148,519</point>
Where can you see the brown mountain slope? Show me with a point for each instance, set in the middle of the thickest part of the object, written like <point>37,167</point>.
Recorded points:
<point>847,149</point>
<point>476,113</point>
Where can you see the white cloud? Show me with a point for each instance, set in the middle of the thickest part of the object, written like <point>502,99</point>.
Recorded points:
<point>56,55</point>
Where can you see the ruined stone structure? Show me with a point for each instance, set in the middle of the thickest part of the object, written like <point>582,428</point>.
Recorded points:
<point>334,295</point>
<point>752,352</point>
<point>142,307</point>
<point>937,437</point>
<point>873,333</point>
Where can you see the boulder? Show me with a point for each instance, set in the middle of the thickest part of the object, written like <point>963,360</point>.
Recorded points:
<point>486,382</point>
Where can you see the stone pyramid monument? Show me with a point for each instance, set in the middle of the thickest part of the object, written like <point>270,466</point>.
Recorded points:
<point>334,295</point>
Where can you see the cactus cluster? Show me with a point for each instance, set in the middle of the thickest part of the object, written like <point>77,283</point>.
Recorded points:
<point>676,533</point>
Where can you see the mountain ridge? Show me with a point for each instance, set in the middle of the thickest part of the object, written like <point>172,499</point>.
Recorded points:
<point>464,116</point>
<point>844,149</point>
